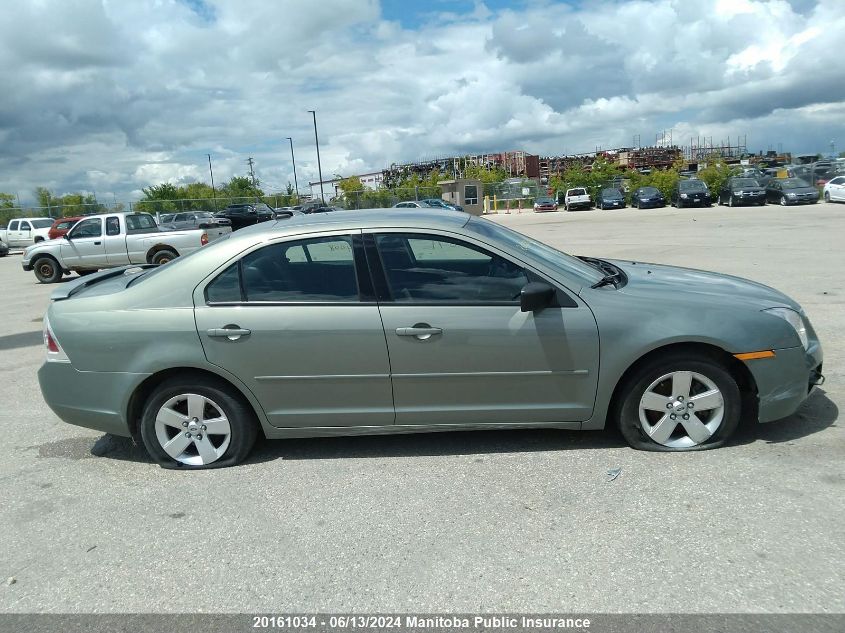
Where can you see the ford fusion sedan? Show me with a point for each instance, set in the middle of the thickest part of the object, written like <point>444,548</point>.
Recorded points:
<point>789,191</point>
<point>742,191</point>
<point>373,322</point>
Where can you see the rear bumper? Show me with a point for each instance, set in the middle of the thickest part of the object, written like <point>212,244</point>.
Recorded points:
<point>785,381</point>
<point>94,400</point>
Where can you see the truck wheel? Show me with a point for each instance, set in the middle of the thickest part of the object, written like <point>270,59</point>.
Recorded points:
<point>38,239</point>
<point>47,270</point>
<point>164,256</point>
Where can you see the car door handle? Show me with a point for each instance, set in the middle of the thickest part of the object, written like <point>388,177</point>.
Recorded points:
<point>97,243</point>
<point>231,332</point>
<point>422,331</point>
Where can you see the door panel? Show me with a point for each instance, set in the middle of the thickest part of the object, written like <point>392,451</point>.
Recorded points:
<point>86,247</point>
<point>492,364</point>
<point>315,355</point>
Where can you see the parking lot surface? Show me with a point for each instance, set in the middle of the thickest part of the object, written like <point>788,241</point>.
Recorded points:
<point>476,521</point>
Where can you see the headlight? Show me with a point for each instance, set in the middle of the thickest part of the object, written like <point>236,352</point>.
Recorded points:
<point>790,195</point>
<point>683,195</point>
<point>795,320</point>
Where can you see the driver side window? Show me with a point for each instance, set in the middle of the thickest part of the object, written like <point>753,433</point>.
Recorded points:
<point>435,269</point>
<point>88,228</point>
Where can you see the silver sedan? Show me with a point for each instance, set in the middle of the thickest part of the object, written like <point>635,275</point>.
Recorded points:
<point>369,322</point>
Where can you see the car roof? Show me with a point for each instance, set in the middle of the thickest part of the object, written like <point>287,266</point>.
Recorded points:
<point>356,219</point>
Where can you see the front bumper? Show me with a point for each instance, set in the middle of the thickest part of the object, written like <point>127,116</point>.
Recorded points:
<point>785,381</point>
<point>94,400</point>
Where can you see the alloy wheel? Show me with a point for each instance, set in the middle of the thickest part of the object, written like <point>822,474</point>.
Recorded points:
<point>783,201</point>
<point>681,409</point>
<point>193,429</point>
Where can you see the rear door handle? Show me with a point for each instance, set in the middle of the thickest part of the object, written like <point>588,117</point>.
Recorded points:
<point>231,332</point>
<point>422,331</point>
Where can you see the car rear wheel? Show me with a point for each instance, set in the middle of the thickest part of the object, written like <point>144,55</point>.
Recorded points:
<point>827,196</point>
<point>679,403</point>
<point>47,270</point>
<point>197,423</point>
<point>163,257</point>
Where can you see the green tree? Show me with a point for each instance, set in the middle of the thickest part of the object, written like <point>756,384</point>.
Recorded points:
<point>716,173</point>
<point>242,187</point>
<point>7,200</point>
<point>485,175</point>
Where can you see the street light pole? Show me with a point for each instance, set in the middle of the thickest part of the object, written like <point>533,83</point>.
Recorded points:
<point>213,190</point>
<point>319,168</point>
<point>293,160</point>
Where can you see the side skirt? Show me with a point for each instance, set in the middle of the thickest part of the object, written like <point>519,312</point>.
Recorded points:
<point>335,431</point>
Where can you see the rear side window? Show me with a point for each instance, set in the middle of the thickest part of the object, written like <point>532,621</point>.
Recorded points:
<point>313,270</point>
<point>138,222</point>
<point>113,226</point>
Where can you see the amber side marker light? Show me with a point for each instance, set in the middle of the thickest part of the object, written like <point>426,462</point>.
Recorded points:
<point>755,355</point>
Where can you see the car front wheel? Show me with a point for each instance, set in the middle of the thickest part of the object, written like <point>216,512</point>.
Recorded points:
<point>197,423</point>
<point>47,270</point>
<point>679,404</point>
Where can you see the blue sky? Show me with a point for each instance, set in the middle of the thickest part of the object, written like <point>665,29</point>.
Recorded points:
<point>137,92</point>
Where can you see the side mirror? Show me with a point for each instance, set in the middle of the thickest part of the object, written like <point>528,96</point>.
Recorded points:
<point>67,237</point>
<point>535,296</point>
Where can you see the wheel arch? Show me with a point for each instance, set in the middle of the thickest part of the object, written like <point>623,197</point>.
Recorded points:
<point>141,393</point>
<point>157,249</point>
<point>738,370</point>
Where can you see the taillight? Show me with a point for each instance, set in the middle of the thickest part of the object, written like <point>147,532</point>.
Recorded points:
<point>55,353</point>
<point>204,239</point>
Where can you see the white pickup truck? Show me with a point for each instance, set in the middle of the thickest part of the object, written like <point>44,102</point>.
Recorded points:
<point>111,240</point>
<point>577,198</point>
<point>22,232</point>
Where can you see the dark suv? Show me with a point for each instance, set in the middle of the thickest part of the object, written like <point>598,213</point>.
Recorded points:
<point>241,215</point>
<point>691,193</point>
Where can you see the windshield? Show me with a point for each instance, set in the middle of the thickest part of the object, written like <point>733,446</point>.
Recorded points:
<point>544,201</point>
<point>649,191</point>
<point>745,182</point>
<point>794,183</point>
<point>42,224</point>
<point>577,192</point>
<point>553,258</point>
<point>611,193</point>
<point>692,185</point>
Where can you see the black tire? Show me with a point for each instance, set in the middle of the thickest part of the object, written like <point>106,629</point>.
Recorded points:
<point>783,201</point>
<point>626,412</point>
<point>38,239</point>
<point>47,270</point>
<point>82,273</point>
<point>163,257</point>
<point>731,201</point>
<point>242,421</point>
<point>827,196</point>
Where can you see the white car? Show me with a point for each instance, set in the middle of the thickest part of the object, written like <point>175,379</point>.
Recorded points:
<point>834,190</point>
<point>26,231</point>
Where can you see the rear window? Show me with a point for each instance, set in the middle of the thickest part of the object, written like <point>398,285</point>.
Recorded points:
<point>577,192</point>
<point>42,224</point>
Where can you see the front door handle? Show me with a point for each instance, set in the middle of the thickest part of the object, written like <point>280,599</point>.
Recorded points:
<point>421,331</point>
<point>231,332</point>
<point>97,243</point>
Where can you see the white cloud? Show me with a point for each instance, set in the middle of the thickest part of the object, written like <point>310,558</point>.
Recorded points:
<point>121,95</point>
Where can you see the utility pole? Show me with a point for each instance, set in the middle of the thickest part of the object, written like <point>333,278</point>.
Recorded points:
<point>213,190</point>
<point>293,160</point>
<point>250,161</point>
<point>319,167</point>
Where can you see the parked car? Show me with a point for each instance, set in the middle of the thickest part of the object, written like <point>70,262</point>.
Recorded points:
<point>834,190</point>
<point>738,191</point>
<point>544,203</point>
<point>442,204</point>
<point>108,241</point>
<point>4,248</point>
<point>786,191</point>
<point>412,204</point>
<point>576,198</point>
<point>761,176</point>
<point>241,215</point>
<point>691,193</point>
<point>62,226</point>
<point>370,322</point>
<point>26,231</point>
<point>215,227</point>
<point>648,197</point>
<point>324,208</point>
<point>610,198</point>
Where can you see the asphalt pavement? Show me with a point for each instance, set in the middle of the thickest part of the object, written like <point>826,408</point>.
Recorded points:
<point>451,522</point>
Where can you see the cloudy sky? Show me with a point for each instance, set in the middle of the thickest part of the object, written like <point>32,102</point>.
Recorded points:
<point>109,96</point>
